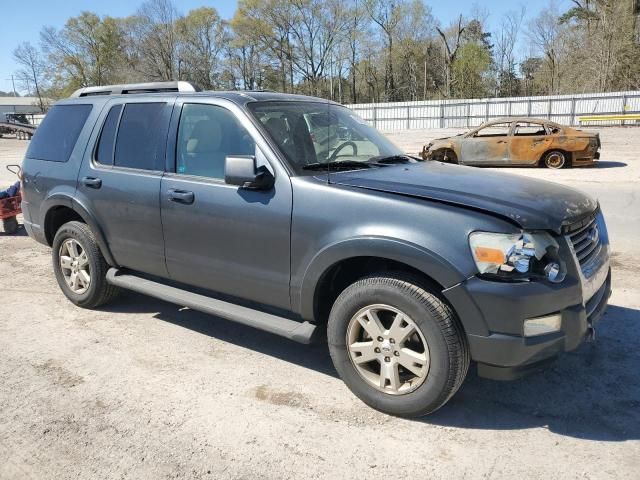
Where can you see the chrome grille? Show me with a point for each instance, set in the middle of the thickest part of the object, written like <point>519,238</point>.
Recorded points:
<point>586,241</point>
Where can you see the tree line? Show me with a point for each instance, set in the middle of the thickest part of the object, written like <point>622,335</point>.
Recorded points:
<point>352,51</point>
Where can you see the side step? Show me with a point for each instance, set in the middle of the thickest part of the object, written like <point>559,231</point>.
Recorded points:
<point>298,331</point>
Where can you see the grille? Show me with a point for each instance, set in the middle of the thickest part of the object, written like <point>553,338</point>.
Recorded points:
<point>586,241</point>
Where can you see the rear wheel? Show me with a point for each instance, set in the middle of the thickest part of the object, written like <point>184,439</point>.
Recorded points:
<point>79,266</point>
<point>555,159</point>
<point>397,346</point>
<point>10,225</point>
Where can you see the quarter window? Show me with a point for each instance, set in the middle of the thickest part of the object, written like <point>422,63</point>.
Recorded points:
<point>141,136</point>
<point>57,135</point>
<point>207,134</point>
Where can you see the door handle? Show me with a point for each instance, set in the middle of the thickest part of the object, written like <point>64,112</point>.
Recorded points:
<point>181,196</point>
<point>92,182</point>
<point>501,141</point>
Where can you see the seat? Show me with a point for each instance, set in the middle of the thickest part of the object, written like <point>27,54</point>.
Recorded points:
<point>203,151</point>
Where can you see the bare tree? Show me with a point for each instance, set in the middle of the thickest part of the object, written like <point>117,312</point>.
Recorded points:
<point>505,42</point>
<point>387,14</point>
<point>32,69</point>
<point>451,44</point>
<point>157,40</point>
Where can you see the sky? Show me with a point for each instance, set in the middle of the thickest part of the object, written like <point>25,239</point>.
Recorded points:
<point>19,23</point>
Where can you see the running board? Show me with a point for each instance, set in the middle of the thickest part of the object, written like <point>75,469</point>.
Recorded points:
<point>298,331</point>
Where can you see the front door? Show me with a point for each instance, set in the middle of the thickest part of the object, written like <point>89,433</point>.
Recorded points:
<point>487,146</point>
<point>119,182</point>
<point>217,236</point>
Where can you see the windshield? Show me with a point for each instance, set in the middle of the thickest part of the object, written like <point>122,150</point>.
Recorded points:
<point>316,136</point>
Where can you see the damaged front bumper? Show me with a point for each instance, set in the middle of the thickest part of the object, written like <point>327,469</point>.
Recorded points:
<point>493,313</point>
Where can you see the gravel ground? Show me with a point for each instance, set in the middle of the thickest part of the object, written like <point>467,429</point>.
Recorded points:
<point>145,389</point>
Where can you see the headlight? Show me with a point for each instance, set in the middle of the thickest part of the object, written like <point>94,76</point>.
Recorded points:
<point>519,256</point>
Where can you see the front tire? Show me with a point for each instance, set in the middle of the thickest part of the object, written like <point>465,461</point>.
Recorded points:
<point>80,268</point>
<point>397,346</point>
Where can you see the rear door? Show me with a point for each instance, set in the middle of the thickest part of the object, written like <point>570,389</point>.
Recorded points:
<point>119,182</point>
<point>487,146</point>
<point>217,236</point>
<point>529,141</point>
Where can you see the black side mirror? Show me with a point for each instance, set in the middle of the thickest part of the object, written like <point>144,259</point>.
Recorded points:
<point>241,170</point>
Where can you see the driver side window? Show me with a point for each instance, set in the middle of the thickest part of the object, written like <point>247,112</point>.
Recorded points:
<point>207,134</point>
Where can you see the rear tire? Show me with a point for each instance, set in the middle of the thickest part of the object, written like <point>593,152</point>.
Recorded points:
<point>10,225</point>
<point>372,363</point>
<point>80,268</point>
<point>555,159</point>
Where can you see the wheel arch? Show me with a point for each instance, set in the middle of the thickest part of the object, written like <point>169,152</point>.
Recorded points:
<point>343,263</point>
<point>568,154</point>
<point>63,209</point>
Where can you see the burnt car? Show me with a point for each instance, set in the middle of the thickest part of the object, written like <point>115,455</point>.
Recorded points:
<point>518,142</point>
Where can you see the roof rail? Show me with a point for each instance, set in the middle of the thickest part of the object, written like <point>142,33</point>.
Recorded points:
<point>132,88</point>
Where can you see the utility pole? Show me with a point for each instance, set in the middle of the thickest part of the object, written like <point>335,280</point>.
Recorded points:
<point>13,84</point>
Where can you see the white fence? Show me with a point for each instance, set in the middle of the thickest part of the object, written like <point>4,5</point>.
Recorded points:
<point>564,109</point>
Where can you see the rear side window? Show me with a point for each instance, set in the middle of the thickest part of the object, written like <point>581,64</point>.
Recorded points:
<point>57,135</point>
<point>104,154</point>
<point>141,137</point>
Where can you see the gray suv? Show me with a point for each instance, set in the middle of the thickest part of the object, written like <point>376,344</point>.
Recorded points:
<point>222,202</point>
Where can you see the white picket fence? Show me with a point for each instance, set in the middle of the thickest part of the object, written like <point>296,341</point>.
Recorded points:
<point>564,109</point>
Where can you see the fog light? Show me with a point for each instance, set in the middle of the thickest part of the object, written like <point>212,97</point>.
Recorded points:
<point>554,272</point>
<point>542,325</point>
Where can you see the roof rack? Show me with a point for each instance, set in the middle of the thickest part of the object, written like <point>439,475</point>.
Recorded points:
<point>133,88</point>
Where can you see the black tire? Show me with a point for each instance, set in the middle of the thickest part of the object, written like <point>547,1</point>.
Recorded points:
<point>10,225</point>
<point>448,350</point>
<point>555,159</point>
<point>99,291</point>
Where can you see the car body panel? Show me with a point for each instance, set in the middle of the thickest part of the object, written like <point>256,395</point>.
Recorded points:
<point>517,149</point>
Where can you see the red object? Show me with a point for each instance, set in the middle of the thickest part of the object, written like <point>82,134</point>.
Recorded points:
<point>10,206</point>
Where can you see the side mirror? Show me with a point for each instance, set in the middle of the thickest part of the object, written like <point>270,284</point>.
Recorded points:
<point>241,170</point>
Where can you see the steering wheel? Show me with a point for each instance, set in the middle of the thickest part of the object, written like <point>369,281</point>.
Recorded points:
<point>338,149</point>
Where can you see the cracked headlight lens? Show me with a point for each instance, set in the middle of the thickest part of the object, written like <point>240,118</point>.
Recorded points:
<point>519,256</point>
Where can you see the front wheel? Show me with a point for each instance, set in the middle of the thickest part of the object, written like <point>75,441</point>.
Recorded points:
<point>397,346</point>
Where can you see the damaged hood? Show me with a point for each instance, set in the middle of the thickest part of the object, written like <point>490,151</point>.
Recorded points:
<point>532,204</point>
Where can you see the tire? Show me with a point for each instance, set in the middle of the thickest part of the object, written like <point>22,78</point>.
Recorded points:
<point>555,159</point>
<point>446,351</point>
<point>97,291</point>
<point>446,155</point>
<point>10,225</point>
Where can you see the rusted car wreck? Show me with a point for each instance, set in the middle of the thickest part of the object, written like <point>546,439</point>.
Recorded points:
<point>518,142</point>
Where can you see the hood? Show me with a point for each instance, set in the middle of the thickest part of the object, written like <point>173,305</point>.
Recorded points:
<point>531,204</point>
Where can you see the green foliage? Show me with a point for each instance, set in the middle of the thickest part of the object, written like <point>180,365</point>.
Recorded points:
<point>348,50</point>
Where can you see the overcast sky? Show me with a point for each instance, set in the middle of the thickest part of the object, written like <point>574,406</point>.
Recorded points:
<point>23,22</point>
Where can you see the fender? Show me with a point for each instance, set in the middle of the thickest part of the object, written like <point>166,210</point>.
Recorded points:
<point>388,248</point>
<point>65,199</point>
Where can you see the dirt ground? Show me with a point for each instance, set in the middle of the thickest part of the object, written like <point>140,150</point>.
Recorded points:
<point>144,389</point>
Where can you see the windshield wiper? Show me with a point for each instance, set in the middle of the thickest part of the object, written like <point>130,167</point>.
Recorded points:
<point>389,159</point>
<point>338,165</point>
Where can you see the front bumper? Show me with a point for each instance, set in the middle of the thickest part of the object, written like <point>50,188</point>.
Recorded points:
<point>493,316</point>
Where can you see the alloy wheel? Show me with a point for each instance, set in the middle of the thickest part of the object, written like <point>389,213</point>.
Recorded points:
<point>74,264</point>
<point>387,349</point>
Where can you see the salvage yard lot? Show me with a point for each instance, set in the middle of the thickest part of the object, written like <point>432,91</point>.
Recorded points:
<point>146,389</point>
